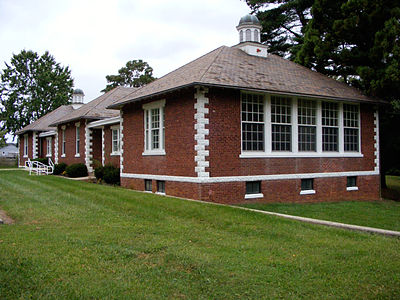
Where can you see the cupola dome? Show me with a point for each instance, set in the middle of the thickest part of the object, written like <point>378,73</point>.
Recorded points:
<point>77,98</point>
<point>249,29</point>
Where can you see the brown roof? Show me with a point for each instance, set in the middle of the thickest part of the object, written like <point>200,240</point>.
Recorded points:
<point>231,67</point>
<point>43,123</point>
<point>96,109</point>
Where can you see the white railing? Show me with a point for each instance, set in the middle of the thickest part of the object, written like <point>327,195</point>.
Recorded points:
<point>39,168</point>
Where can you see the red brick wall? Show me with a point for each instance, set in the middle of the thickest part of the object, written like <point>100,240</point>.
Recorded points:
<point>109,159</point>
<point>179,138</point>
<point>96,145</point>
<point>225,148</point>
<point>23,159</point>
<point>70,143</point>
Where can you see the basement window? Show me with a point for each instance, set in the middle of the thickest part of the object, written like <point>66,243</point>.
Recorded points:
<point>161,187</point>
<point>253,190</point>
<point>352,183</point>
<point>148,185</point>
<point>307,186</point>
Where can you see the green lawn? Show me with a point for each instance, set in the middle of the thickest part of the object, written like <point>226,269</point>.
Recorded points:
<point>381,214</point>
<point>79,240</point>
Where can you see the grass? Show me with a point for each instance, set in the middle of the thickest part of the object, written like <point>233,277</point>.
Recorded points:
<point>380,214</point>
<point>393,188</point>
<point>80,240</point>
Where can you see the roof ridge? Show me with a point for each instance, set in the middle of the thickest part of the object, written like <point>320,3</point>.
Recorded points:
<point>215,58</point>
<point>97,104</point>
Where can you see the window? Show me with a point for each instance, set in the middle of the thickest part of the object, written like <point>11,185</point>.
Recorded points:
<point>252,122</point>
<point>307,125</point>
<point>48,146</point>
<point>352,183</point>
<point>256,36</point>
<point>281,123</point>
<point>350,124</point>
<point>148,185</point>
<point>154,134</point>
<point>63,142</point>
<point>25,145</point>
<point>307,186</point>
<point>248,35</point>
<point>330,126</point>
<point>115,136</point>
<point>77,140</point>
<point>160,186</point>
<point>253,190</point>
<point>241,35</point>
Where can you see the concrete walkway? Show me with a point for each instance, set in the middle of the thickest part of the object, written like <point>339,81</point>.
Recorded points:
<point>327,223</point>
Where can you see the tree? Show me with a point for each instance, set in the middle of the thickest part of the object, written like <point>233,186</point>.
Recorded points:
<point>136,73</point>
<point>3,141</point>
<point>30,87</point>
<point>283,23</point>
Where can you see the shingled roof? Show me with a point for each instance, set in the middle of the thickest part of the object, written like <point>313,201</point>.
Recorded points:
<point>43,123</point>
<point>96,109</point>
<point>231,67</point>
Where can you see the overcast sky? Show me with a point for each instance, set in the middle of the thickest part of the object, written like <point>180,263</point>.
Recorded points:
<point>96,38</point>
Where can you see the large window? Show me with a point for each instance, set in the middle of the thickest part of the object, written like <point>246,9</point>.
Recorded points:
<point>252,122</point>
<point>115,140</point>
<point>350,124</point>
<point>307,121</point>
<point>26,145</point>
<point>330,126</point>
<point>48,146</point>
<point>154,134</point>
<point>77,141</point>
<point>281,123</point>
<point>290,126</point>
<point>63,142</point>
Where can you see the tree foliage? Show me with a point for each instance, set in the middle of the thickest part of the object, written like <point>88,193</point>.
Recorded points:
<point>30,87</point>
<point>283,23</point>
<point>136,73</point>
<point>3,141</point>
<point>357,41</point>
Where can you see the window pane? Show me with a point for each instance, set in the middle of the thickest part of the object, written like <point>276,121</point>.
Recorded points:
<point>252,122</point>
<point>329,139</point>
<point>351,139</point>
<point>161,186</point>
<point>281,137</point>
<point>307,138</point>
<point>330,111</point>
<point>351,130</point>
<point>148,185</point>
<point>307,184</point>
<point>253,187</point>
<point>351,181</point>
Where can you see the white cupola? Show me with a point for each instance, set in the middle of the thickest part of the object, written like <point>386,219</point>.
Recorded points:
<point>77,98</point>
<point>249,29</point>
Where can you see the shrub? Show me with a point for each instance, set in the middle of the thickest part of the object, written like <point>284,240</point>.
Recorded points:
<point>99,172</point>
<point>111,175</point>
<point>76,170</point>
<point>96,164</point>
<point>42,160</point>
<point>59,168</point>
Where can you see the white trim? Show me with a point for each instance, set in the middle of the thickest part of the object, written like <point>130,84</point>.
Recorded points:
<point>154,152</point>
<point>47,133</point>
<point>307,192</point>
<point>201,132</point>
<point>352,188</point>
<point>34,145</point>
<point>62,155</point>
<point>121,127</point>
<point>77,155</point>
<point>161,194</point>
<point>49,142</point>
<point>248,178</point>
<point>88,148</point>
<point>103,147</point>
<point>103,122</point>
<point>376,138</point>
<point>251,154</point>
<point>115,154</point>
<point>147,109</point>
<point>253,196</point>
<point>56,148</point>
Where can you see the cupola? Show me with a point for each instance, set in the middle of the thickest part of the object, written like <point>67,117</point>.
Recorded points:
<point>249,29</point>
<point>77,98</point>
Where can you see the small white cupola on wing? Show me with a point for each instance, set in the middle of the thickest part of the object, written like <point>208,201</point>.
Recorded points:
<point>249,30</point>
<point>77,98</point>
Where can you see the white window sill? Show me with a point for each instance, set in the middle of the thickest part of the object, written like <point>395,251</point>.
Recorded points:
<point>352,188</point>
<point>150,192</point>
<point>253,196</point>
<point>77,155</point>
<point>307,192</point>
<point>115,154</point>
<point>298,154</point>
<point>48,155</point>
<point>62,155</point>
<point>158,152</point>
<point>25,156</point>
<point>159,193</point>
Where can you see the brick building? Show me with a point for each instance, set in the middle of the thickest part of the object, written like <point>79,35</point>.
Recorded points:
<point>239,124</point>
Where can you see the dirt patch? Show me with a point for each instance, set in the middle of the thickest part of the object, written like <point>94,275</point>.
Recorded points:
<point>6,219</point>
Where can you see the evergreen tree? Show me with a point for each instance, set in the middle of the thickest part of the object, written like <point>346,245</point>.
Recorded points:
<point>136,73</point>
<point>30,87</point>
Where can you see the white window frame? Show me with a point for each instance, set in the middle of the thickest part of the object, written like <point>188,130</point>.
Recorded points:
<point>48,146</point>
<point>63,141</point>
<point>77,140</point>
<point>116,129</point>
<point>148,130</point>
<point>294,122</point>
<point>26,145</point>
